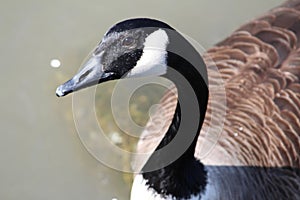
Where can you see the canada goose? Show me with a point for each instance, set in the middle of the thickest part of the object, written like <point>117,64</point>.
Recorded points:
<point>257,154</point>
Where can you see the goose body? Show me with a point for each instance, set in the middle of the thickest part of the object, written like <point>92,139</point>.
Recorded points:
<point>257,152</point>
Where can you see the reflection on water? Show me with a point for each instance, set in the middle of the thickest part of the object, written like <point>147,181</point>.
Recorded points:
<point>41,154</point>
<point>55,63</point>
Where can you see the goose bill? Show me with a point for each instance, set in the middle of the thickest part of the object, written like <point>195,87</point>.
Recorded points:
<point>91,74</point>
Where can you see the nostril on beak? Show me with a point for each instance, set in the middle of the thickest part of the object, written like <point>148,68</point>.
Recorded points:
<point>83,76</point>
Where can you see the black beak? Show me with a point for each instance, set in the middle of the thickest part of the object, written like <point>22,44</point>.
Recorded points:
<point>91,74</point>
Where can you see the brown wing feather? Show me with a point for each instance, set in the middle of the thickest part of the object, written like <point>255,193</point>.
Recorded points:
<point>260,67</point>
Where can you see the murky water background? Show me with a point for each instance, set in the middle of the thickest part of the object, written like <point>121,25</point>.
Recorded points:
<point>41,154</point>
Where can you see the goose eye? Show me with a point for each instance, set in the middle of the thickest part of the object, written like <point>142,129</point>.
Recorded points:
<point>128,41</point>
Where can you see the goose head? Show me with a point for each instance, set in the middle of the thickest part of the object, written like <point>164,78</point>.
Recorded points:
<point>131,48</point>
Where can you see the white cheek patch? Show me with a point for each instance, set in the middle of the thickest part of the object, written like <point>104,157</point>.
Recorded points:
<point>153,60</point>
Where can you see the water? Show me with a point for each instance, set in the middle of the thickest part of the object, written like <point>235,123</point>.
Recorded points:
<point>41,154</point>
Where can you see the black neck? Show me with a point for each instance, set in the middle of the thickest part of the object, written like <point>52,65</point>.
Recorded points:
<point>185,175</point>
